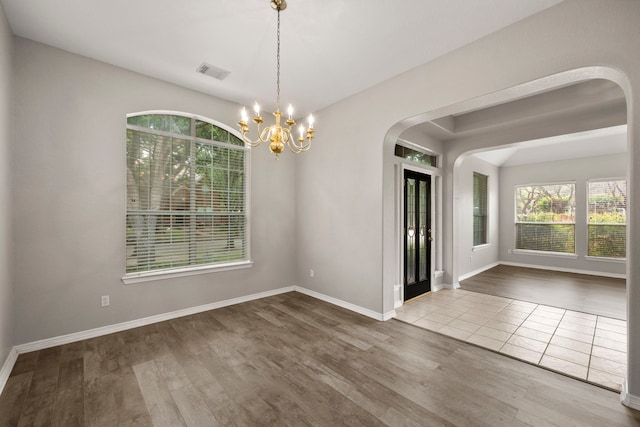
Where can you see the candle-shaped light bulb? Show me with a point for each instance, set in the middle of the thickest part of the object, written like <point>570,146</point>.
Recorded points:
<point>310,121</point>
<point>243,114</point>
<point>256,108</point>
<point>301,129</point>
<point>290,111</point>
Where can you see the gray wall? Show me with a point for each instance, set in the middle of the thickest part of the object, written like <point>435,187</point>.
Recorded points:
<point>578,170</point>
<point>6,237</point>
<point>470,259</point>
<point>346,209</point>
<point>69,207</point>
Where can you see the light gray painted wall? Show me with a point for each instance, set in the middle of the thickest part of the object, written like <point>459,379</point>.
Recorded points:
<point>349,176</point>
<point>69,206</point>
<point>578,170</point>
<point>6,236</point>
<point>470,259</point>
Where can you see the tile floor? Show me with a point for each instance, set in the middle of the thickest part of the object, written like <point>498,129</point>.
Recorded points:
<point>585,346</point>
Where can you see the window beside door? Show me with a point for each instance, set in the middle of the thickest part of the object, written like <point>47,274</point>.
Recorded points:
<point>480,208</point>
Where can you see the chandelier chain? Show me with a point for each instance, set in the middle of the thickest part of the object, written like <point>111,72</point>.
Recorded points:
<point>278,66</point>
<point>277,135</point>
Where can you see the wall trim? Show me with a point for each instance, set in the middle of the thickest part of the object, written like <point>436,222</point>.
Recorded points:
<point>565,270</point>
<point>347,305</point>
<point>118,327</point>
<point>629,400</point>
<point>7,367</point>
<point>478,271</point>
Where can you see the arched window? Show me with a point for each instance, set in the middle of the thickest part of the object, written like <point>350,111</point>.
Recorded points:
<point>186,195</point>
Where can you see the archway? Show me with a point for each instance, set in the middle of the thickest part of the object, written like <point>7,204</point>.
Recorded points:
<point>452,155</point>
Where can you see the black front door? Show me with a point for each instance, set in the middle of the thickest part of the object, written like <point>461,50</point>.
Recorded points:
<point>417,234</point>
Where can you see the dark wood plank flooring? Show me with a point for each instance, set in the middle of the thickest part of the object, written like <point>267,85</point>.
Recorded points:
<point>603,296</point>
<point>292,360</point>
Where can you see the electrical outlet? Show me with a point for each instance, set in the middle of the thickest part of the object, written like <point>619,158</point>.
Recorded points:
<point>312,273</point>
<point>104,300</point>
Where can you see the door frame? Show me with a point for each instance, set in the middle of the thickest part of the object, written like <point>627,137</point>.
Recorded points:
<point>421,284</point>
<point>436,226</point>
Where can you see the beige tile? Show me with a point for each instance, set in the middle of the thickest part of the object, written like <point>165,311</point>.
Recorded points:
<point>449,311</point>
<point>615,345</point>
<point>567,354</point>
<point>551,311</point>
<point>485,342</point>
<point>543,319</point>
<point>521,353</point>
<point>407,316</point>
<point>493,333</point>
<point>609,354</point>
<point>610,321</point>
<point>474,318</point>
<point>610,366</point>
<point>516,309</point>
<point>532,333</point>
<point>572,344</point>
<point>501,326</point>
<point>613,328</point>
<point>484,311</point>
<point>460,334</point>
<point>590,330</point>
<point>578,336</point>
<point>577,321</point>
<point>526,305</point>
<point>509,318</point>
<point>564,366</point>
<point>464,325</point>
<point>432,325</point>
<point>528,343</point>
<point>539,326</point>
<point>569,314</point>
<point>440,318</point>
<point>611,335</point>
<point>605,379</point>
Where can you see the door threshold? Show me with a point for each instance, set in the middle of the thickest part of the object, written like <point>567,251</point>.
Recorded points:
<point>417,297</point>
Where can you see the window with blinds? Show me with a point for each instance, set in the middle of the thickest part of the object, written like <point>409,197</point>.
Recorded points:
<point>480,196</point>
<point>607,227</point>
<point>186,194</point>
<point>545,218</point>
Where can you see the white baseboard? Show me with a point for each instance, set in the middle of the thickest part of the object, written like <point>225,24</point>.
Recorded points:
<point>7,367</point>
<point>629,400</point>
<point>564,270</point>
<point>118,327</point>
<point>478,271</point>
<point>347,305</point>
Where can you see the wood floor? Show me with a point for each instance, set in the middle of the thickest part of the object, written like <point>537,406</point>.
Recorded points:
<point>602,296</point>
<point>292,360</point>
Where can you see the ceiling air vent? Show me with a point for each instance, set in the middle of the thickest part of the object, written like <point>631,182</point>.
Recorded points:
<point>213,71</point>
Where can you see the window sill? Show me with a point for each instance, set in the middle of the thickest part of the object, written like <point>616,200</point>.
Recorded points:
<point>605,259</point>
<point>481,247</point>
<point>148,276</point>
<point>543,253</point>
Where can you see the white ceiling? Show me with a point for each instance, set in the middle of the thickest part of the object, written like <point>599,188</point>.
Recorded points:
<point>600,142</point>
<point>330,49</point>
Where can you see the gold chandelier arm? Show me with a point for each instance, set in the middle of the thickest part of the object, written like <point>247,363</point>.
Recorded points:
<point>277,135</point>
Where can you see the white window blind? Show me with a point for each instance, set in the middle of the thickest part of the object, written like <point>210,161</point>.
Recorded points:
<point>545,218</point>
<point>607,219</point>
<point>186,194</point>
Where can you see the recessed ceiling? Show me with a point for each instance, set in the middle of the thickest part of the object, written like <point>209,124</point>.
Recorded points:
<point>600,142</point>
<point>330,49</point>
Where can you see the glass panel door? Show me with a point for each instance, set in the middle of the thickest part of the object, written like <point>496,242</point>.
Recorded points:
<point>417,231</point>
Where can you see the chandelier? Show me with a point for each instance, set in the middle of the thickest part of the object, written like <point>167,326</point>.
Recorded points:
<point>276,134</point>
